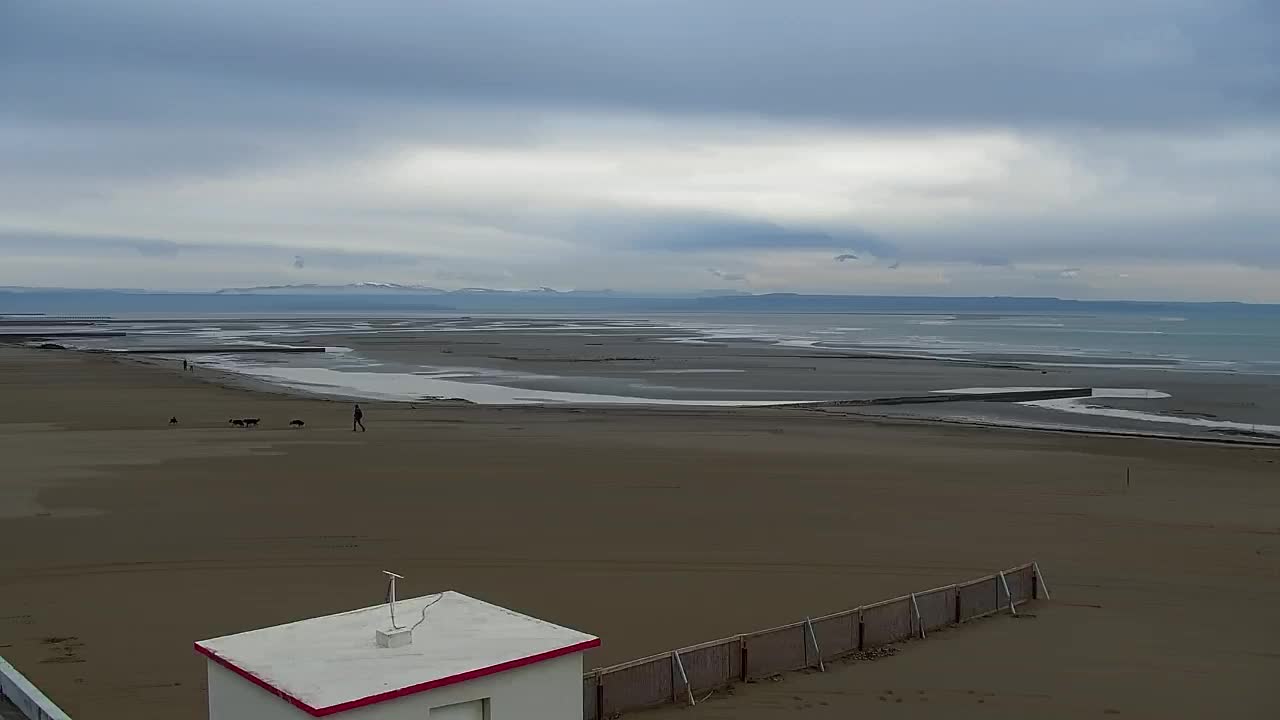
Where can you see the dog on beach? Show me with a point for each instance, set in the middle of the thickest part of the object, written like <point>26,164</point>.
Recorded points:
<point>251,422</point>
<point>173,420</point>
<point>237,423</point>
<point>297,423</point>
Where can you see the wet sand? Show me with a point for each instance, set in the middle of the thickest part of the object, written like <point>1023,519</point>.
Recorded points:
<point>675,365</point>
<point>126,540</point>
<point>700,359</point>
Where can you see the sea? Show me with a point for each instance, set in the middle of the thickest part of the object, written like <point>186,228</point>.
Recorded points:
<point>1230,343</point>
<point>1222,368</point>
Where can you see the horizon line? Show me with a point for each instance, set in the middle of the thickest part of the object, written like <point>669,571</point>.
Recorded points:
<point>690,295</point>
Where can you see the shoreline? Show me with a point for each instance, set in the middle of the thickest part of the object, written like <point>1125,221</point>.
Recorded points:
<point>240,381</point>
<point>1065,430</point>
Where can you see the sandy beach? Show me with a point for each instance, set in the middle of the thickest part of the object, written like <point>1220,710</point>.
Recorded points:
<point>1166,383</point>
<point>126,540</point>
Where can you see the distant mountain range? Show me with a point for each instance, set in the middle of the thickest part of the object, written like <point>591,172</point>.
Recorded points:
<point>374,297</point>
<point>381,288</point>
<point>363,288</point>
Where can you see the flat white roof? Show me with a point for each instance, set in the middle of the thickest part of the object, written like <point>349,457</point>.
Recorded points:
<point>329,664</point>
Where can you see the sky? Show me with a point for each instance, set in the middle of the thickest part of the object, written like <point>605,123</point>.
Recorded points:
<point>1092,149</point>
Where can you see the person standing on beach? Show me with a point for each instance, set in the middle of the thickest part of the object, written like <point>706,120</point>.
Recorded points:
<point>184,366</point>
<point>357,419</point>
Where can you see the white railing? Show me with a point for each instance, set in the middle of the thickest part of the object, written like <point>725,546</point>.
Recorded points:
<point>27,697</point>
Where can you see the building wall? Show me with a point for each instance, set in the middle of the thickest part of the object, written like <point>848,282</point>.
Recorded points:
<point>231,697</point>
<point>549,690</point>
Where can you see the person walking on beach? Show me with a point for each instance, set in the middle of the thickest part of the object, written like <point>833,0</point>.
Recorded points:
<point>184,366</point>
<point>357,419</point>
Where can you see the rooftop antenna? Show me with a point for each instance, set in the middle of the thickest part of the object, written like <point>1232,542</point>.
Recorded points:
<point>395,636</point>
<point>391,595</point>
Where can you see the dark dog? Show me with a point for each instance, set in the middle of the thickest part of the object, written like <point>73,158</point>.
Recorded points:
<point>296,423</point>
<point>251,422</point>
<point>173,420</point>
<point>237,423</point>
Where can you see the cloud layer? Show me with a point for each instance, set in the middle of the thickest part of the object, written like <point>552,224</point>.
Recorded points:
<point>1091,149</point>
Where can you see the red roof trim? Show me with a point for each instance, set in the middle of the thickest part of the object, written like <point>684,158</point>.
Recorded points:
<point>256,680</point>
<point>402,692</point>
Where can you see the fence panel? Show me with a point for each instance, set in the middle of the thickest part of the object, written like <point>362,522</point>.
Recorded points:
<point>775,651</point>
<point>837,634</point>
<point>636,686</point>
<point>937,608</point>
<point>589,685</point>
<point>651,681</point>
<point>887,622</point>
<point>978,597</point>
<point>712,665</point>
<point>1021,580</point>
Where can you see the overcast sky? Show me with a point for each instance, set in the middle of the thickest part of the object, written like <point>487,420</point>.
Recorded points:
<point>1096,148</point>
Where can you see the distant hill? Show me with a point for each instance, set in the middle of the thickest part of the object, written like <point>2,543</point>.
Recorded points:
<point>792,302</point>
<point>363,288</point>
<point>391,298</point>
<point>380,288</point>
<point>175,304</point>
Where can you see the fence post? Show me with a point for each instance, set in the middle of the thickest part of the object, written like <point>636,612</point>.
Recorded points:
<point>808,625</point>
<point>600,698</point>
<point>1038,579</point>
<point>862,631</point>
<point>742,640</point>
<point>919,619</point>
<point>677,665</point>
<point>1003,581</point>
<point>853,629</point>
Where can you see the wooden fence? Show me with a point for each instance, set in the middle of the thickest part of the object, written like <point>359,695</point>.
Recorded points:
<point>681,676</point>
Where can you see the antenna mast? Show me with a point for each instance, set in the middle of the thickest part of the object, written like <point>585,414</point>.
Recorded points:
<point>391,595</point>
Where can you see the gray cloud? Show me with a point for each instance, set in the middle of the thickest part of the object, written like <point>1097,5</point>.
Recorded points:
<point>705,232</point>
<point>473,276</point>
<point>989,260</point>
<point>156,248</point>
<point>106,100</point>
<point>727,276</point>
<point>1242,239</point>
<point>19,243</point>
<point>340,260</point>
<point>1089,63</point>
<point>1063,274</point>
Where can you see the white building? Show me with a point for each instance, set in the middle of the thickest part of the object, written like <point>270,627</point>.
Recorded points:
<point>465,660</point>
